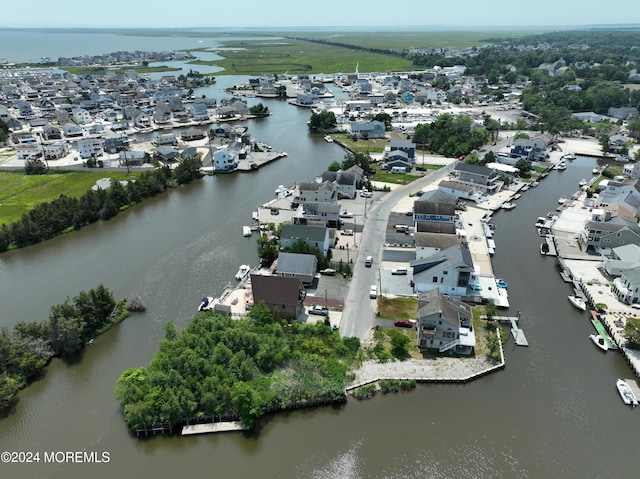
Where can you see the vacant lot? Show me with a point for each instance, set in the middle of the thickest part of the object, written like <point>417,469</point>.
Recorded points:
<point>19,192</point>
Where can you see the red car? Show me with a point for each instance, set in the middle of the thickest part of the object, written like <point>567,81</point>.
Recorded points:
<point>403,323</point>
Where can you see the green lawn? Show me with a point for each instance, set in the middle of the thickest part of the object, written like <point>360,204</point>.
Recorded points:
<point>395,178</point>
<point>19,193</point>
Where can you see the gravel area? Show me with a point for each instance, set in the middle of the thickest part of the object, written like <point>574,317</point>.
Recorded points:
<point>440,369</point>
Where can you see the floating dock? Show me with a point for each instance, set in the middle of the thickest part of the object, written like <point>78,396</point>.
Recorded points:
<point>213,427</point>
<point>518,334</point>
<point>602,331</point>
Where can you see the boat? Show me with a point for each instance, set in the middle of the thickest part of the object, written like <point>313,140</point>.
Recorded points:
<point>243,271</point>
<point>560,166</point>
<point>599,341</point>
<point>246,231</point>
<point>544,248</point>
<point>534,183</point>
<point>583,182</point>
<point>595,171</point>
<point>569,156</point>
<point>206,303</point>
<point>626,393</point>
<point>328,139</point>
<point>508,206</point>
<point>577,302</point>
<point>562,201</point>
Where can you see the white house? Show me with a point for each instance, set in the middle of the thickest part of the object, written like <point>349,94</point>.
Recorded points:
<point>448,270</point>
<point>81,116</point>
<point>225,160</point>
<point>90,148</point>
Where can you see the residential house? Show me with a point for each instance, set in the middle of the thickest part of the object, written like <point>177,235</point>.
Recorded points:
<point>90,148</point>
<point>444,323</point>
<point>71,130</point>
<point>395,160</point>
<point>199,111</point>
<point>371,129</point>
<point>449,269</point>
<point>28,151</point>
<point>460,190</point>
<point>315,192</point>
<point>428,244</point>
<point>141,120</point>
<point>132,158</point>
<point>225,160</point>
<point>483,178</point>
<point>313,236</point>
<point>345,182</point>
<point>622,258</point>
<point>115,142</point>
<point>191,134</point>
<point>50,132</point>
<point>318,213</point>
<point>56,150</point>
<point>627,286</point>
<point>81,116</point>
<point>623,113</point>
<point>297,265</point>
<point>284,296</point>
<point>602,233</point>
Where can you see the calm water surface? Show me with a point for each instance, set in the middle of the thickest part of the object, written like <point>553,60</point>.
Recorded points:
<point>553,412</point>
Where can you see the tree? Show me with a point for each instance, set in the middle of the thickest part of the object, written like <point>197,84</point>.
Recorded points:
<point>632,332</point>
<point>334,166</point>
<point>524,166</point>
<point>399,344</point>
<point>322,122</point>
<point>35,167</point>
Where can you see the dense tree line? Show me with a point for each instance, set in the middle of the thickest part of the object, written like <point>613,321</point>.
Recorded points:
<point>238,368</point>
<point>4,132</point>
<point>322,122</point>
<point>451,136</point>
<point>27,349</point>
<point>259,110</point>
<point>49,219</point>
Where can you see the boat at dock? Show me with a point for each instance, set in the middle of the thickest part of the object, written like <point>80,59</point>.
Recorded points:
<point>508,206</point>
<point>569,156</point>
<point>577,302</point>
<point>562,201</point>
<point>560,166</point>
<point>626,393</point>
<point>544,248</point>
<point>599,341</point>
<point>583,182</point>
<point>328,139</point>
<point>243,271</point>
<point>207,303</point>
<point>246,231</point>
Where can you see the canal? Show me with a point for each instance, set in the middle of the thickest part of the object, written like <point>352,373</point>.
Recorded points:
<point>552,412</point>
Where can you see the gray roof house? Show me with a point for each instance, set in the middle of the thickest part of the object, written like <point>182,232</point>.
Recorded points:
<point>482,177</point>
<point>444,323</point>
<point>449,269</point>
<point>428,244</point>
<point>370,129</point>
<point>627,286</point>
<point>297,265</point>
<point>622,258</point>
<point>345,182</point>
<point>604,235</point>
<point>283,296</point>
<point>313,236</point>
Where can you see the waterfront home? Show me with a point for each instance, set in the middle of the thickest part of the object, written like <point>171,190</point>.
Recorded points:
<point>449,269</point>
<point>622,258</point>
<point>371,129</point>
<point>283,296</point>
<point>318,214</point>
<point>313,236</point>
<point>429,244</point>
<point>225,160</point>
<point>627,286</point>
<point>621,197</point>
<point>141,120</point>
<point>433,212</point>
<point>315,192</point>
<point>297,265</point>
<point>444,323</point>
<point>459,190</point>
<point>483,178</point>
<point>602,233</point>
<point>192,133</point>
<point>199,111</point>
<point>345,182</point>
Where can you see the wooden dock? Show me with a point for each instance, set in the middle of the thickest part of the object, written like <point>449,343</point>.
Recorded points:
<point>213,427</point>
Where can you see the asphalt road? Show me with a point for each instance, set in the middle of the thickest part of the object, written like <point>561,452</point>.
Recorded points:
<point>358,316</point>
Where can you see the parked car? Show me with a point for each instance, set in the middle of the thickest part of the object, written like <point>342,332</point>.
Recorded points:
<point>319,310</point>
<point>373,291</point>
<point>328,272</point>
<point>403,323</point>
<point>346,214</point>
<point>368,261</point>
<point>420,168</point>
<point>399,271</point>
<point>366,194</point>
<point>347,232</point>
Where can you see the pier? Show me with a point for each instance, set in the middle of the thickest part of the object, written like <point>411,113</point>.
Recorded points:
<point>227,426</point>
<point>516,332</point>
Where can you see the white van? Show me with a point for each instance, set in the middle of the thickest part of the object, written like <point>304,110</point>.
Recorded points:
<point>399,271</point>
<point>398,170</point>
<point>368,261</point>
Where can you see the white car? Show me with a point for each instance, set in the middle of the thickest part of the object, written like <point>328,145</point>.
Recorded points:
<point>366,194</point>
<point>373,291</point>
<point>347,232</point>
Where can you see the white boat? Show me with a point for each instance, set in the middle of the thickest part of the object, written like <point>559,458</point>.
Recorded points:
<point>560,166</point>
<point>599,341</point>
<point>578,302</point>
<point>583,182</point>
<point>569,156</point>
<point>626,393</point>
<point>246,231</point>
<point>562,201</point>
<point>534,183</point>
<point>206,303</point>
<point>508,206</point>
<point>328,139</point>
<point>595,171</point>
<point>243,271</point>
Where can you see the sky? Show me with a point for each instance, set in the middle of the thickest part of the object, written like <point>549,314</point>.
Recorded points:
<point>322,13</point>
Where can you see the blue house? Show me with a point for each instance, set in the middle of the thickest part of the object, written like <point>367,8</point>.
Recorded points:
<point>408,97</point>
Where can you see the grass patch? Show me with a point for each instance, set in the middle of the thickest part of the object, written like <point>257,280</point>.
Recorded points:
<point>374,145</point>
<point>398,308</point>
<point>279,55</point>
<point>395,178</point>
<point>19,192</point>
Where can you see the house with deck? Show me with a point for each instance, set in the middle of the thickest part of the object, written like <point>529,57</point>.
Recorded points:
<point>444,324</point>
<point>481,177</point>
<point>313,236</point>
<point>449,270</point>
<point>297,265</point>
